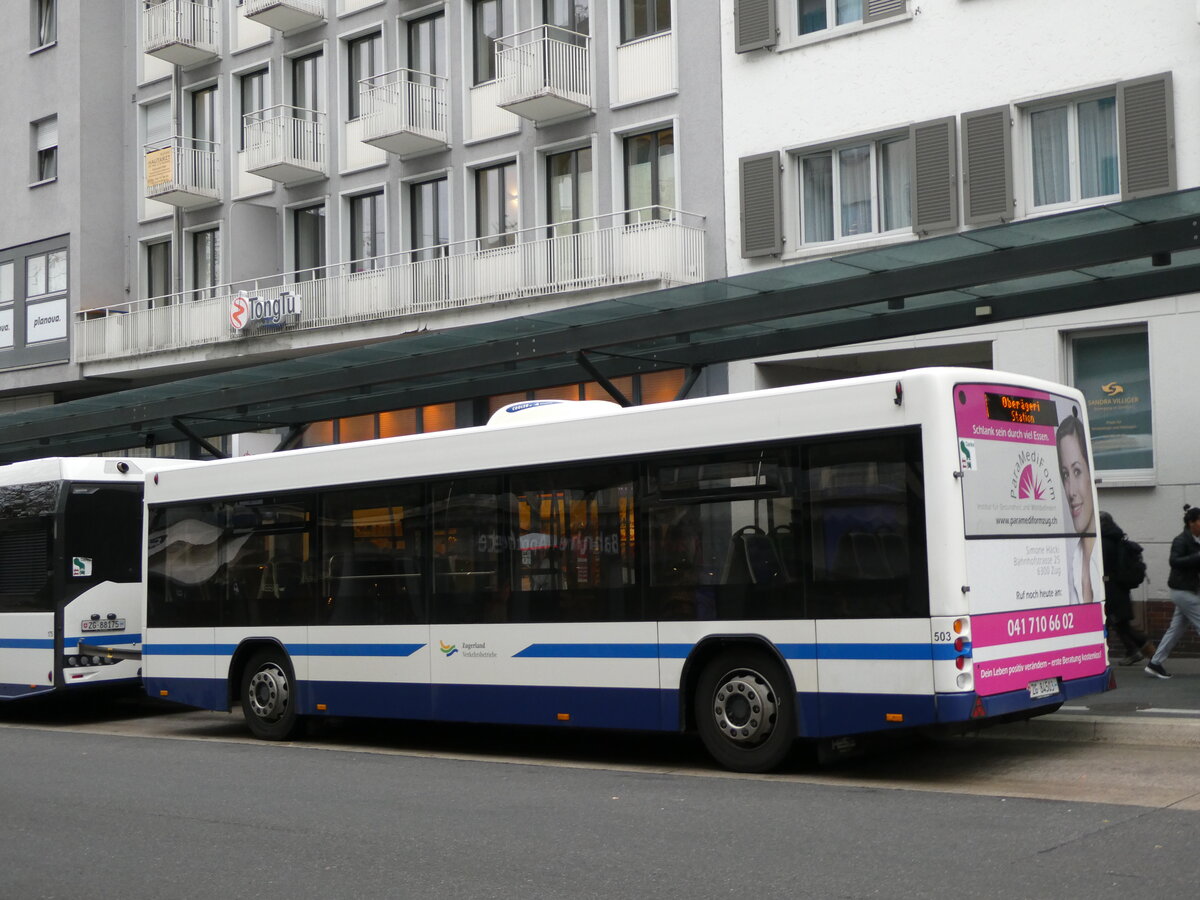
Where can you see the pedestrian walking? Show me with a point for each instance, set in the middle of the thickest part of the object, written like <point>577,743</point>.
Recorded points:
<point>1184,584</point>
<point>1123,571</point>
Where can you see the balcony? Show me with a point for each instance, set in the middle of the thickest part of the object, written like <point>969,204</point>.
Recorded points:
<point>404,112</point>
<point>544,73</point>
<point>286,144</point>
<point>285,15</point>
<point>657,246</point>
<point>182,172</point>
<point>182,32</point>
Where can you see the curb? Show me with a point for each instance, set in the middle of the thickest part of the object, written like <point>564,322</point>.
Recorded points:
<point>1154,731</point>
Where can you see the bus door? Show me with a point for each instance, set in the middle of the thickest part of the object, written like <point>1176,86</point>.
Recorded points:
<point>1033,553</point>
<point>27,645</point>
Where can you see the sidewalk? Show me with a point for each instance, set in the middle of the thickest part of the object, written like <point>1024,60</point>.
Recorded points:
<point>1142,710</point>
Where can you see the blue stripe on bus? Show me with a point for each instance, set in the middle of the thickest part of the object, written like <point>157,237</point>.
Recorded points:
<point>293,649</point>
<point>605,651</point>
<point>105,640</point>
<point>789,651</point>
<point>353,649</point>
<point>27,643</point>
<point>17,691</point>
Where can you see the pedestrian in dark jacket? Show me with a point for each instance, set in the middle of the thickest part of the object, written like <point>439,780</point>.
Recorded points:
<point>1185,589</point>
<point>1118,604</point>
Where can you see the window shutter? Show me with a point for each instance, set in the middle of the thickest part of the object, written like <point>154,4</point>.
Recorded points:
<point>754,24</point>
<point>1146,120</point>
<point>934,177</point>
<point>47,133</point>
<point>758,185</point>
<point>874,10</point>
<point>987,166</point>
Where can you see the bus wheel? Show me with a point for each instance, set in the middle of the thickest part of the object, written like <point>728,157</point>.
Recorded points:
<point>268,703</point>
<point>745,711</point>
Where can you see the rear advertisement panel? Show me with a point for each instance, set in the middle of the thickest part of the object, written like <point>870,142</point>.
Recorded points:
<point>1033,552</point>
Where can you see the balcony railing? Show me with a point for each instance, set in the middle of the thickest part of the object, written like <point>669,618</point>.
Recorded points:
<point>285,15</point>
<point>655,245</point>
<point>544,73</point>
<point>182,171</point>
<point>405,111</point>
<point>286,144</point>
<point>183,32</point>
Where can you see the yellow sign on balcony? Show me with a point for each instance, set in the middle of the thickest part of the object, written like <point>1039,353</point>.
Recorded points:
<point>160,167</point>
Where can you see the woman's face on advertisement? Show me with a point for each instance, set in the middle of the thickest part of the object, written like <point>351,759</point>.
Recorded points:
<point>1077,482</point>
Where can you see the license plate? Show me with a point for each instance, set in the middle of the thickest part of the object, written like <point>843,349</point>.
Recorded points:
<point>1047,687</point>
<point>102,625</point>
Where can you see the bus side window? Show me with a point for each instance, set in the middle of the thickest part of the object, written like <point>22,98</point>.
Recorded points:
<point>865,542</point>
<point>372,546</point>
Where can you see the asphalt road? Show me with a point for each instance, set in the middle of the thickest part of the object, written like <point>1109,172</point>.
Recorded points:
<point>144,801</point>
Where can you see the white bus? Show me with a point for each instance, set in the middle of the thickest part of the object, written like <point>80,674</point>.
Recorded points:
<point>71,595</point>
<point>837,559</point>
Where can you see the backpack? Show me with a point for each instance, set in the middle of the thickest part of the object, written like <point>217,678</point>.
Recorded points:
<point>1130,568</point>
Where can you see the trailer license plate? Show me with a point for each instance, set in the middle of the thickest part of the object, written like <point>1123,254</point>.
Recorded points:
<point>102,625</point>
<point>1047,687</point>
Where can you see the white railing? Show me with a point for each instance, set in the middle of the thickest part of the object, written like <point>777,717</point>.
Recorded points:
<point>181,165</point>
<point>646,68</point>
<point>189,22</point>
<point>286,137</point>
<point>544,59</point>
<point>654,245</point>
<point>314,8</point>
<point>404,100</point>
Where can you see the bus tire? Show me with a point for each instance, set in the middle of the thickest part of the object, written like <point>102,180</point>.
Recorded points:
<point>745,710</point>
<point>269,696</point>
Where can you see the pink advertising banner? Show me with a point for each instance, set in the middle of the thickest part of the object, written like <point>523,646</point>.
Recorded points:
<point>1077,630</point>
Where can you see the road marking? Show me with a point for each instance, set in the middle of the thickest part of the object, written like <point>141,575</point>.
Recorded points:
<point>1173,712</point>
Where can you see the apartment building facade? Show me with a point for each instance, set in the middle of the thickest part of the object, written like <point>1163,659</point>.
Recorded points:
<point>60,113</point>
<point>287,177</point>
<point>913,126</point>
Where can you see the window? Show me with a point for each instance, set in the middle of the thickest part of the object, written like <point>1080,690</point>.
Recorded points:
<point>158,269</point>
<point>206,263</point>
<point>45,150</point>
<point>306,86</point>
<point>429,218</point>
<point>46,21</point>
<point>817,15</point>
<point>374,556</point>
<point>254,97</point>
<point>46,273</point>
<point>427,44</point>
<point>487,28</point>
<point>366,232</point>
<point>496,205</point>
<point>864,188</point>
<point>650,175</point>
<point>641,18</point>
<point>308,241</point>
<point>864,534</point>
<point>1112,370</point>
<point>569,178</point>
<point>1073,151</point>
<point>569,15</point>
<point>365,58</point>
<point>205,121</point>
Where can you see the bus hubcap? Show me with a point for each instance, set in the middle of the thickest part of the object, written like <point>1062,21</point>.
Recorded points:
<point>744,707</point>
<point>269,692</point>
